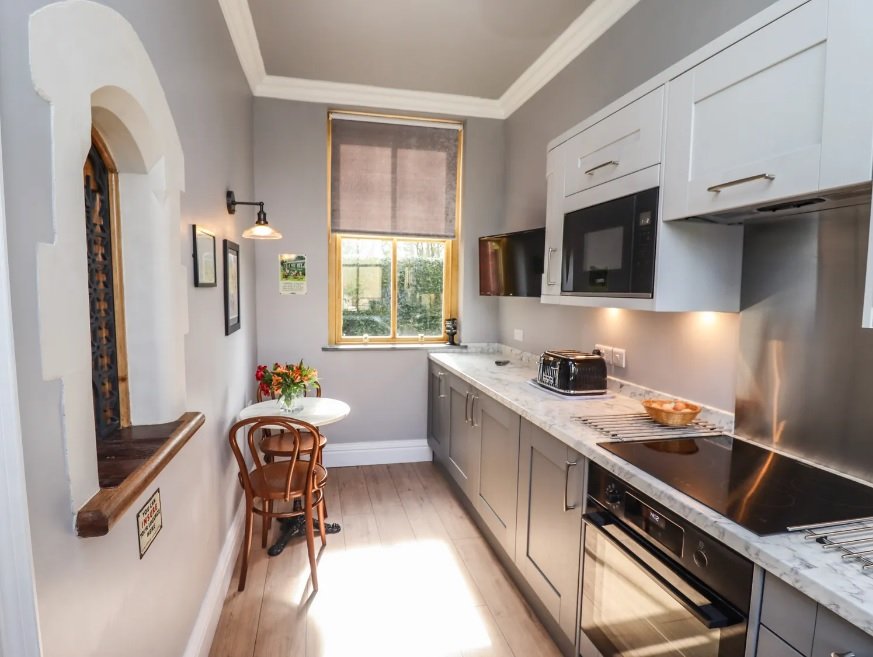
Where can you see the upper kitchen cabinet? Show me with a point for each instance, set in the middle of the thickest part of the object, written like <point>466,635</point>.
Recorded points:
<point>620,144</point>
<point>783,113</point>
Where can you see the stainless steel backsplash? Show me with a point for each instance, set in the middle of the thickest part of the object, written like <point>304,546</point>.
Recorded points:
<point>805,371</point>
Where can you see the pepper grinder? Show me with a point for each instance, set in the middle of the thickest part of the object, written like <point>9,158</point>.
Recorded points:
<point>452,329</point>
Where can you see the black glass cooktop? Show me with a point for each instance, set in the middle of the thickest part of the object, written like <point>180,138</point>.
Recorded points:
<point>763,491</point>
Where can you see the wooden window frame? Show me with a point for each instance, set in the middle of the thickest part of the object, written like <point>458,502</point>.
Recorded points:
<point>452,248</point>
<point>117,277</point>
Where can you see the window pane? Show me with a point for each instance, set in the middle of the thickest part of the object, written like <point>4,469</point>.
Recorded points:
<point>420,267</point>
<point>366,283</point>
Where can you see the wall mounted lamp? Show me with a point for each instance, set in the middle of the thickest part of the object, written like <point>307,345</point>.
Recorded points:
<point>261,230</point>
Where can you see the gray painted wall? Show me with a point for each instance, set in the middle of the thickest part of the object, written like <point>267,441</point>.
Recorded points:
<point>96,597</point>
<point>386,390</point>
<point>678,353</point>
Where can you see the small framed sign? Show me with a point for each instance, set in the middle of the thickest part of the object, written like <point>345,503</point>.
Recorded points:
<point>204,258</point>
<point>149,522</point>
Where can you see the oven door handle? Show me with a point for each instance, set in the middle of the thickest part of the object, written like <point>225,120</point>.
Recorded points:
<point>711,611</point>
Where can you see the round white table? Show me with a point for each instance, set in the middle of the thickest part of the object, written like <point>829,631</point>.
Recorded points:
<point>317,411</point>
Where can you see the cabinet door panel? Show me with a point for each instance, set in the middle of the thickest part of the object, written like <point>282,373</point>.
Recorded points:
<point>751,113</point>
<point>624,142</point>
<point>437,418</point>
<point>498,470</point>
<point>770,645</point>
<point>463,453</point>
<point>554,222</point>
<point>548,539</point>
<point>789,613</point>
<point>835,635</point>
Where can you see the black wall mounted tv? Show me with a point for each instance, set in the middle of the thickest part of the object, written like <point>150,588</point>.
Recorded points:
<point>511,264</point>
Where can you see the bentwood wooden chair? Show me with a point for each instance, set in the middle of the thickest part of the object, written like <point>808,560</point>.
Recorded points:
<point>288,481</point>
<point>276,444</point>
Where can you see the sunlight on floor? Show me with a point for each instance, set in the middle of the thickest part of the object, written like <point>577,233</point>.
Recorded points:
<point>364,606</point>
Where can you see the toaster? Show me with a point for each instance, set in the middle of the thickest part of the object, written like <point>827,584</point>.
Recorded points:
<point>572,372</point>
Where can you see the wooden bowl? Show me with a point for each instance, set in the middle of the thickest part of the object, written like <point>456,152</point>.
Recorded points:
<point>671,418</point>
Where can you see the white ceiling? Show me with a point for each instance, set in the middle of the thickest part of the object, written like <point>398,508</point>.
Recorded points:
<point>461,57</point>
<point>468,47</point>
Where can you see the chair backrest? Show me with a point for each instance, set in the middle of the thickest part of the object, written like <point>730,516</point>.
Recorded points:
<point>314,386</point>
<point>251,430</point>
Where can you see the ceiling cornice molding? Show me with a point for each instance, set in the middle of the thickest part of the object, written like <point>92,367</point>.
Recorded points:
<point>341,93</point>
<point>582,32</point>
<point>238,16</point>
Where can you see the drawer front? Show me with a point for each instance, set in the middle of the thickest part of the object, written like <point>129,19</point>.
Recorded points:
<point>835,636</point>
<point>622,143</point>
<point>789,613</point>
<point>745,127</point>
<point>770,645</point>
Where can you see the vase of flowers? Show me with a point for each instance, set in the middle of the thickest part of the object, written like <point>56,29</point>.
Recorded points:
<point>287,383</point>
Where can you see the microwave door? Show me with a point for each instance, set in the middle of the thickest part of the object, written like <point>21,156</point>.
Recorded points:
<point>598,249</point>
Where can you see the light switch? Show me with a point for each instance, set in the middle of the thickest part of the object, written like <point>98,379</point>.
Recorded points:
<point>518,334</point>
<point>619,357</point>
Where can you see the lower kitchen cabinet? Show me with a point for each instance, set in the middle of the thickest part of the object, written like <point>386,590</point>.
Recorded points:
<point>497,495</point>
<point>793,625</point>
<point>438,411</point>
<point>549,532</point>
<point>462,459</point>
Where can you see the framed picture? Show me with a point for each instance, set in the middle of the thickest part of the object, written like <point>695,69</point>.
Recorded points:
<point>231,287</point>
<point>204,258</point>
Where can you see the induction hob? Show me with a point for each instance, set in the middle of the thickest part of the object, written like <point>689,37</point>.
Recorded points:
<point>760,490</point>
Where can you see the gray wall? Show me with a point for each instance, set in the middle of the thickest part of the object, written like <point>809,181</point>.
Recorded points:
<point>386,389</point>
<point>96,597</point>
<point>673,352</point>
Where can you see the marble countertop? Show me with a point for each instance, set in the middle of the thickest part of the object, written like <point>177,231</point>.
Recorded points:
<point>823,576</point>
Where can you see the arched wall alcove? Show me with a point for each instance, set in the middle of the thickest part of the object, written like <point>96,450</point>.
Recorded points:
<point>90,65</point>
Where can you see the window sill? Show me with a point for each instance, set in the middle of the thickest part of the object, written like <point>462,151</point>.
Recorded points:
<point>394,347</point>
<point>126,465</point>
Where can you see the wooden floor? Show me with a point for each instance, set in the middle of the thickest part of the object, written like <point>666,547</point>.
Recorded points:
<point>409,575</point>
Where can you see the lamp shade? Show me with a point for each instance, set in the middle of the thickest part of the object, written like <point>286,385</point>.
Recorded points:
<point>262,231</point>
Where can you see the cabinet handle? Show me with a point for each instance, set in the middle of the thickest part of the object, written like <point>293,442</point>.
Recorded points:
<point>466,407</point>
<point>570,464</point>
<point>611,163</point>
<point>440,376</point>
<point>549,280</point>
<point>740,181</point>
<point>473,399</point>
<point>848,653</point>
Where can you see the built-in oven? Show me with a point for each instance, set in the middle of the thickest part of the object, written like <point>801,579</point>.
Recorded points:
<point>653,585</point>
<point>609,248</point>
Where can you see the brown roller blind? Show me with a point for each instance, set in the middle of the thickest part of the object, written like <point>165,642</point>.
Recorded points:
<point>393,178</point>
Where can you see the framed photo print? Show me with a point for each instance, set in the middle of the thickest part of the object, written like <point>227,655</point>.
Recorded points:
<point>231,287</point>
<point>204,258</point>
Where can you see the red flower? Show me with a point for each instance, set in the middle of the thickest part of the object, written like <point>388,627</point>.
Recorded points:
<point>265,389</point>
<point>259,373</point>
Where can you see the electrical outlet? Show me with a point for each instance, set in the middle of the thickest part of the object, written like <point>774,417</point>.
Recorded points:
<point>605,351</point>
<point>518,334</point>
<point>619,357</point>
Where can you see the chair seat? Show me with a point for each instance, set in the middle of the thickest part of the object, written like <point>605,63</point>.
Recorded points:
<point>269,482</point>
<point>282,444</point>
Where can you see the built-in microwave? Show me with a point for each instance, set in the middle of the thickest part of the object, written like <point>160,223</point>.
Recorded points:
<point>609,248</point>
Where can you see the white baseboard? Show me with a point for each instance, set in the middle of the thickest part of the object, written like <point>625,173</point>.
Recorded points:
<point>338,455</point>
<point>203,631</point>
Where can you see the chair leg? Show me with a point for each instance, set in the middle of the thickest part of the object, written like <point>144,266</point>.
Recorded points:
<point>310,540</point>
<point>322,516</point>
<point>246,546</point>
<point>266,522</point>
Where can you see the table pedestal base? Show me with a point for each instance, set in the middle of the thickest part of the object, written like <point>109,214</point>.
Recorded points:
<point>293,527</point>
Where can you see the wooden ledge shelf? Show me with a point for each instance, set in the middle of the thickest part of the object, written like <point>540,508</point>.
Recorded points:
<point>127,463</point>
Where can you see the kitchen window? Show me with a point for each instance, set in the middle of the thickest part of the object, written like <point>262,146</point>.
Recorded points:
<point>394,215</point>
